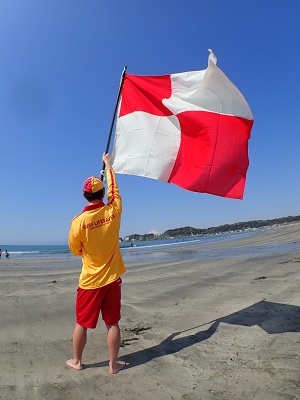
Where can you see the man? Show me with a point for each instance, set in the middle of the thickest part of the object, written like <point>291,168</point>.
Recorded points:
<point>94,235</point>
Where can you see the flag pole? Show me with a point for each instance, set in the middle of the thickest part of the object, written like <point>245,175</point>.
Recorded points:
<point>114,116</point>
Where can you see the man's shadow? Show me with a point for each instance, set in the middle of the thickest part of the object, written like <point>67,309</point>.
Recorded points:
<point>273,318</point>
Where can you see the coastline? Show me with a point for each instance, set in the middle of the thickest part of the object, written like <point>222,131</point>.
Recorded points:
<point>224,328</point>
<point>145,250</point>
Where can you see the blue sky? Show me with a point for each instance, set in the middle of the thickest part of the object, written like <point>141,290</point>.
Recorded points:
<point>61,62</point>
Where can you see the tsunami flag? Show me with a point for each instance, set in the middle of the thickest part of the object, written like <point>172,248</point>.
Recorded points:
<point>190,129</point>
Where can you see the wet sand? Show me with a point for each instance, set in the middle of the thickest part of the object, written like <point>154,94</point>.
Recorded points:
<point>211,329</point>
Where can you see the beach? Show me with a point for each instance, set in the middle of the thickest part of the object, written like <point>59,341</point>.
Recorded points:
<point>220,328</point>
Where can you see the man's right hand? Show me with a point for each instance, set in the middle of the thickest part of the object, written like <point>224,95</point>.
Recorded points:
<point>106,158</point>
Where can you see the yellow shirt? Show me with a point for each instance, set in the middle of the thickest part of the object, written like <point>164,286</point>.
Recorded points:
<point>94,235</point>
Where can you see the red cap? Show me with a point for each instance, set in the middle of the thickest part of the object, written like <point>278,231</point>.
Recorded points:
<point>92,185</point>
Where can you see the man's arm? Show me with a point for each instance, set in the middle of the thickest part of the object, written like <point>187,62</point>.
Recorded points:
<point>75,244</point>
<point>113,195</point>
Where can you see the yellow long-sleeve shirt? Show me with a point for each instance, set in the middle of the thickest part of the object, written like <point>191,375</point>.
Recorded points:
<point>94,235</point>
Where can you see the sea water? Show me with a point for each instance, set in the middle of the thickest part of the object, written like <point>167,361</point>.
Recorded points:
<point>159,250</point>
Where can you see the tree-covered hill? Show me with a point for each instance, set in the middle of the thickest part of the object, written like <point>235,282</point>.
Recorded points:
<point>188,231</point>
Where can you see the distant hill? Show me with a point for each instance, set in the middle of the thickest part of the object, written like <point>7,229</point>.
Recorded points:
<point>188,231</point>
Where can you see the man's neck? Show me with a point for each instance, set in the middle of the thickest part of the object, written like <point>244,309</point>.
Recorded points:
<point>91,203</point>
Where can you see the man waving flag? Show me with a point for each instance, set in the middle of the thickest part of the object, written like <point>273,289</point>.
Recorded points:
<point>190,129</point>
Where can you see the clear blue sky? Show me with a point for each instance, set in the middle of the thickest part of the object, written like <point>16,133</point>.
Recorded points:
<point>61,62</point>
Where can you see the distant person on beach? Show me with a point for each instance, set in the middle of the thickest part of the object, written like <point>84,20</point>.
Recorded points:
<point>0,253</point>
<point>6,254</point>
<point>94,235</point>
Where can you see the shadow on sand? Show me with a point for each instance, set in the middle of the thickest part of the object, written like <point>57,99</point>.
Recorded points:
<point>273,318</point>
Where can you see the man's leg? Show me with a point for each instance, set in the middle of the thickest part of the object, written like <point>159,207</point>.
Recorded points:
<point>79,341</point>
<point>113,345</point>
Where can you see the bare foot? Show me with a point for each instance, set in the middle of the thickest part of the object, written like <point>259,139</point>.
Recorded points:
<point>117,367</point>
<point>74,364</point>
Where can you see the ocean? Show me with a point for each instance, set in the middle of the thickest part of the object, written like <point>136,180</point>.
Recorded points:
<point>157,250</point>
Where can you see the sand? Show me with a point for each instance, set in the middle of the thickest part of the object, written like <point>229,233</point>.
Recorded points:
<point>217,329</point>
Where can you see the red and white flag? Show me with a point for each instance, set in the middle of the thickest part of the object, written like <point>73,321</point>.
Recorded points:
<point>190,129</point>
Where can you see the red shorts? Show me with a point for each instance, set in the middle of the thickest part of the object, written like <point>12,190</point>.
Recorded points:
<point>106,299</point>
